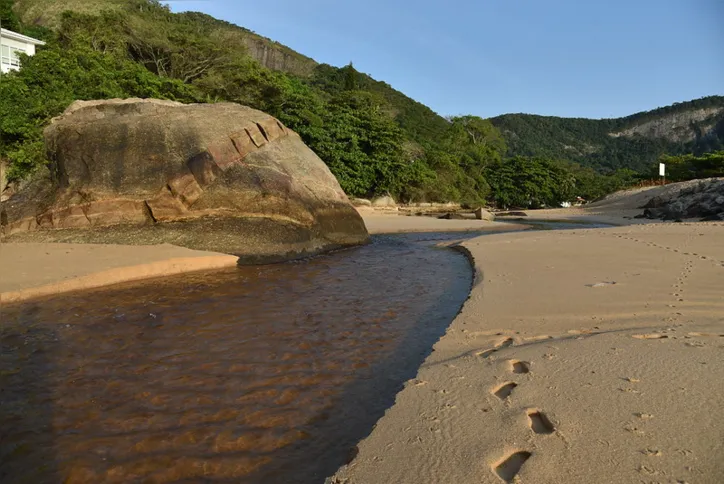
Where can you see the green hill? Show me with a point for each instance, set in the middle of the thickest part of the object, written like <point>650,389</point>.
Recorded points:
<point>273,55</point>
<point>634,142</point>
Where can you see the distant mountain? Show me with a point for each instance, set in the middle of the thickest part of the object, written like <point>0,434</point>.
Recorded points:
<point>634,141</point>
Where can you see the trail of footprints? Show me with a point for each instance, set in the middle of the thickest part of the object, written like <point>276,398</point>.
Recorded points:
<point>510,465</point>
<point>670,249</point>
<point>679,288</point>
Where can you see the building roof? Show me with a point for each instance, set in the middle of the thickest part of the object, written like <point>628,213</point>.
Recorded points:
<point>9,34</point>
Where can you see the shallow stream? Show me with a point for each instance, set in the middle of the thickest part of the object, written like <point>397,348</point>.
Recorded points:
<point>256,374</point>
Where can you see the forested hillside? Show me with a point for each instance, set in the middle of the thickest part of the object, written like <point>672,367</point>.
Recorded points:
<point>375,139</point>
<point>634,142</point>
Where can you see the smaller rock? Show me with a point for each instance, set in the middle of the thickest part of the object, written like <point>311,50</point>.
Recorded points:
<point>360,202</point>
<point>382,202</point>
<point>511,214</point>
<point>451,216</point>
<point>656,202</point>
<point>3,179</point>
<point>653,213</point>
<point>717,217</point>
<point>482,214</point>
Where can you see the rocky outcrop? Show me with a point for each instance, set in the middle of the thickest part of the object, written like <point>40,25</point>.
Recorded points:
<point>703,200</point>
<point>219,177</point>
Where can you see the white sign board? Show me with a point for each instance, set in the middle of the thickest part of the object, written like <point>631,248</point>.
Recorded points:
<point>662,169</point>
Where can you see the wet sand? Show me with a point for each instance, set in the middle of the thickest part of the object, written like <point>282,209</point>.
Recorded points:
<point>381,223</point>
<point>32,270</point>
<point>592,355</point>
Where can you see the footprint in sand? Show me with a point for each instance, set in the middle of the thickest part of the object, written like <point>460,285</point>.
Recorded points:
<point>504,344</point>
<point>503,391</point>
<point>539,422</point>
<point>519,367</point>
<point>510,466</point>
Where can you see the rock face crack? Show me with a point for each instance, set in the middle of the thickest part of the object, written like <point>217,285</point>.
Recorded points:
<point>149,212</point>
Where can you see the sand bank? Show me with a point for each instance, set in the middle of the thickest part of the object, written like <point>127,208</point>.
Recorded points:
<point>584,356</point>
<point>38,269</point>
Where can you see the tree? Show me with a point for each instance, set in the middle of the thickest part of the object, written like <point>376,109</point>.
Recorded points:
<point>350,78</point>
<point>529,182</point>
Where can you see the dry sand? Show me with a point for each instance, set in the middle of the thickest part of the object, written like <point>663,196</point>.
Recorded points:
<point>30,270</point>
<point>554,374</point>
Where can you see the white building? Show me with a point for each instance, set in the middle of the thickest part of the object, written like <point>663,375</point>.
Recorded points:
<point>12,44</point>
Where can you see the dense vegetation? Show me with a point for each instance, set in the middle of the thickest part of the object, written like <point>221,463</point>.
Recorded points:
<point>374,139</point>
<point>590,141</point>
<point>689,167</point>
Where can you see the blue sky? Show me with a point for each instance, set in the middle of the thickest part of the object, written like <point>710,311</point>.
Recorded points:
<point>597,58</point>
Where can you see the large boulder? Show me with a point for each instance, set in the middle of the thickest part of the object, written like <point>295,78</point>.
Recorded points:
<point>221,177</point>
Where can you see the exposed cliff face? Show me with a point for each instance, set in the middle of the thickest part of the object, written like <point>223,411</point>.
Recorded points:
<point>277,57</point>
<point>678,127</point>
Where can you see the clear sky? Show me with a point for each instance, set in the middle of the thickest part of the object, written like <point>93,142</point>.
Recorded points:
<point>587,58</point>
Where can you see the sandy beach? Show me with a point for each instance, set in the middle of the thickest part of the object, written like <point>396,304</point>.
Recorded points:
<point>581,356</point>
<point>592,355</point>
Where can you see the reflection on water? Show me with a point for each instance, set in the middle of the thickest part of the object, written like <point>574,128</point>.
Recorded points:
<point>256,374</point>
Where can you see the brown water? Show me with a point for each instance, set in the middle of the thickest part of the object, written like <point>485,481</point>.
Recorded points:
<point>256,374</point>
